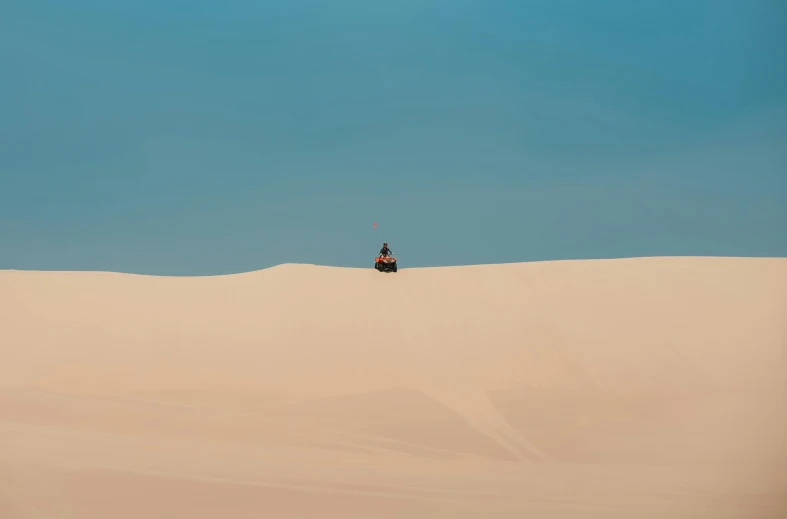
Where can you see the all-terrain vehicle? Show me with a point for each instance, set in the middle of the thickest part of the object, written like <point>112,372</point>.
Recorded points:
<point>385,263</point>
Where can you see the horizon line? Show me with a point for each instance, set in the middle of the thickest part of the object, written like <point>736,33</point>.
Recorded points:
<point>327,266</point>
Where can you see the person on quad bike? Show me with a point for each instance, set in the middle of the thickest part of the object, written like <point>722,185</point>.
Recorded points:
<point>385,251</point>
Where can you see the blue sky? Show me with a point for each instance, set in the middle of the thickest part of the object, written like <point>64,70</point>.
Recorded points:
<point>199,137</point>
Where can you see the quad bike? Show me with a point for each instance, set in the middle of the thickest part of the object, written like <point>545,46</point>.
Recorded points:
<point>385,263</point>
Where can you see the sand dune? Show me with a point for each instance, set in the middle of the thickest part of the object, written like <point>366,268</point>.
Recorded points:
<point>651,387</point>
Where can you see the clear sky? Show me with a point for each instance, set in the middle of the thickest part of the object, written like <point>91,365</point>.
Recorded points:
<point>173,137</point>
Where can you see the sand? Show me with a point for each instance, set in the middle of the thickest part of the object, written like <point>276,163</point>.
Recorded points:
<point>648,387</point>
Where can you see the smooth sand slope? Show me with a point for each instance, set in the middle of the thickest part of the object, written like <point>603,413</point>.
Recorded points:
<point>652,387</point>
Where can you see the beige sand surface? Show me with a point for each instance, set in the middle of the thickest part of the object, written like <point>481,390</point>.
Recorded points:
<point>636,388</point>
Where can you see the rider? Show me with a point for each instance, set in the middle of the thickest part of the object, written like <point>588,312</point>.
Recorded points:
<point>385,251</point>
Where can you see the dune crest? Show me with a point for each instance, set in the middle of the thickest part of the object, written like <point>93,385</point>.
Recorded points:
<point>480,391</point>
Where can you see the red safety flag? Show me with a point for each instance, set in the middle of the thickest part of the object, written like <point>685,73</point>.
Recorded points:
<point>375,225</point>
